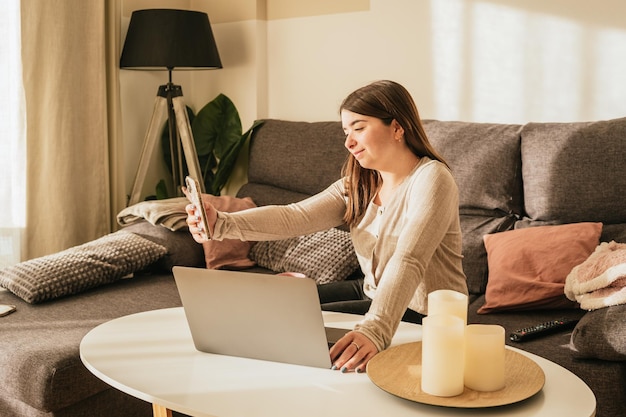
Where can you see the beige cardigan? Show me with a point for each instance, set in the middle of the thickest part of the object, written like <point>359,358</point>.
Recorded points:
<point>406,249</point>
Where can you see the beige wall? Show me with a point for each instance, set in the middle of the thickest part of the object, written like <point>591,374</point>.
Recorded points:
<point>507,61</point>
<point>474,60</point>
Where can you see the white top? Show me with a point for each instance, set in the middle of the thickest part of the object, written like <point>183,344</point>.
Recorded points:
<point>151,356</point>
<point>407,249</point>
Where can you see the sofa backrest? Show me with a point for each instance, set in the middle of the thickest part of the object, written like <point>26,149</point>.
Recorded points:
<point>289,161</point>
<point>509,176</point>
<point>485,162</point>
<point>574,172</point>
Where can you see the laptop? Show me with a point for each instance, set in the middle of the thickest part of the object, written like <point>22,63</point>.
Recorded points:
<point>259,316</point>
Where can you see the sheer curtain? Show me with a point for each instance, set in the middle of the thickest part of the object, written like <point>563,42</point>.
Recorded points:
<point>70,54</point>
<point>12,136</point>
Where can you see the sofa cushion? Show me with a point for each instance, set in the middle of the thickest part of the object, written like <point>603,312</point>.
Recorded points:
<point>573,172</point>
<point>79,268</point>
<point>485,162</point>
<point>616,232</point>
<point>298,157</point>
<point>265,194</point>
<point>39,348</point>
<point>528,267</point>
<point>182,250</point>
<point>228,253</point>
<point>601,334</point>
<point>325,256</point>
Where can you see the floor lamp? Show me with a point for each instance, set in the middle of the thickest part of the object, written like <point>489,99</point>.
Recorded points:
<point>168,39</point>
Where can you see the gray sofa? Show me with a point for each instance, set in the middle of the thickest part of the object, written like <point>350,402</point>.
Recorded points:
<point>510,177</point>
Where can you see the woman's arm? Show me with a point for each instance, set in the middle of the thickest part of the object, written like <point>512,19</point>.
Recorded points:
<point>319,212</point>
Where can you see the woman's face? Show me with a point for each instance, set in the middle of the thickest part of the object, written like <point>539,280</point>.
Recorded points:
<point>370,141</point>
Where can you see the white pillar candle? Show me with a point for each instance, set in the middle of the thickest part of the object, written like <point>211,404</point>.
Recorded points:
<point>484,357</point>
<point>448,302</point>
<point>443,353</point>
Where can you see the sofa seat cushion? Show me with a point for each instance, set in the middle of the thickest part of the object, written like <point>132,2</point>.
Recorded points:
<point>107,403</point>
<point>39,348</point>
<point>605,378</point>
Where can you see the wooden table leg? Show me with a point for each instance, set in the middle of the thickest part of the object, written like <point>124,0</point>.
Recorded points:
<point>160,411</point>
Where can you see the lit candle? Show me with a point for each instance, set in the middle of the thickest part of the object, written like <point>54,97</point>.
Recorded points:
<point>484,357</point>
<point>448,302</point>
<point>443,354</point>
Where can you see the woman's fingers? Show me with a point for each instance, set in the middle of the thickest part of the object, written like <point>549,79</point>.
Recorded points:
<point>193,222</point>
<point>352,352</point>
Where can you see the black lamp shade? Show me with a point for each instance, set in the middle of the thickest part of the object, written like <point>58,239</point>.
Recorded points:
<point>160,39</point>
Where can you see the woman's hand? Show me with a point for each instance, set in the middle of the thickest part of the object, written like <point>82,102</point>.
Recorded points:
<point>352,352</point>
<point>193,220</point>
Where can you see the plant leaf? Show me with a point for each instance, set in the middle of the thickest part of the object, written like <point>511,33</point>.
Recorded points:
<point>216,127</point>
<point>161,191</point>
<point>216,131</point>
<point>228,161</point>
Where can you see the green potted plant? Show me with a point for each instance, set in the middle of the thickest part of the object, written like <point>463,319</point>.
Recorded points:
<point>218,137</point>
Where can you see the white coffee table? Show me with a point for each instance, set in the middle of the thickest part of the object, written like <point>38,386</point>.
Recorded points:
<point>151,356</point>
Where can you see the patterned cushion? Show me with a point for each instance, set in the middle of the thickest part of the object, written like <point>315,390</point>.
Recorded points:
<point>325,256</point>
<point>182,250</point>
<point>77,269</point>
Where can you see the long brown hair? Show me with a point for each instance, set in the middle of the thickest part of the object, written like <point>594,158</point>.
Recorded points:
<point>387,101</point>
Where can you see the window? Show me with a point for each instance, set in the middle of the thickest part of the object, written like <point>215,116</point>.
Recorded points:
<point>12,136</point>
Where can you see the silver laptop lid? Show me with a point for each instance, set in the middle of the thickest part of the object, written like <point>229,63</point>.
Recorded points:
<point>258,316</point>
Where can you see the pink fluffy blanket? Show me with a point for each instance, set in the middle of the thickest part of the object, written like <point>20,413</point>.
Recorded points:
<point>600,281</point>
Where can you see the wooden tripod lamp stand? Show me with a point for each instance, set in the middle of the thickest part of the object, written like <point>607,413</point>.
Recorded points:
<point>168,39</point>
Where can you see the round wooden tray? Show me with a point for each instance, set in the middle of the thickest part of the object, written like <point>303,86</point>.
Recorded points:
<point>398,370</point>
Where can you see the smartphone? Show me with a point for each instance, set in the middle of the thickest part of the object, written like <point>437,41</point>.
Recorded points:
<point>195,197</point>
<point>6,309</point>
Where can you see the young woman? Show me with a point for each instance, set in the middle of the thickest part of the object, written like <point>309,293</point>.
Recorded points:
<point>400,201</point>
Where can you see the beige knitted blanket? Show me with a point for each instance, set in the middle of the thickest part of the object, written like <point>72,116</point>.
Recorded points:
<point>600,281</point>
<point>168,213</point>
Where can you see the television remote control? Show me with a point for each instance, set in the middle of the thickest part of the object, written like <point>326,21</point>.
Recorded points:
<point>542,329</point>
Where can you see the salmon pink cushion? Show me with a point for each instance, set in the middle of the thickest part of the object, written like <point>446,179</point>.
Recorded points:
<point>528,267</point>
<point>228,253</point>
